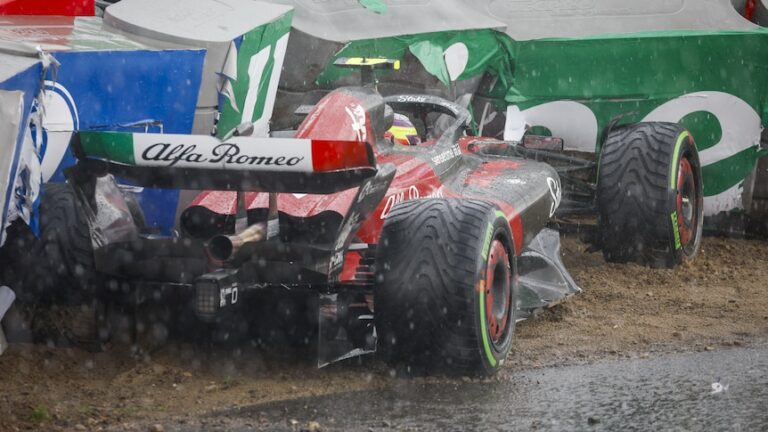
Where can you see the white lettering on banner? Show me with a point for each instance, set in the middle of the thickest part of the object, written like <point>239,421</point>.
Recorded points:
<point>741,128</point>
<point>255,71</point>
<point>739,122</point>
<point>261,124</point>
<point>572,121</point>
<point>208,152</point>
<point>724,201</point>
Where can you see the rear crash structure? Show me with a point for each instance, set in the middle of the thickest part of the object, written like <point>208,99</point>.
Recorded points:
<point>420,251</point>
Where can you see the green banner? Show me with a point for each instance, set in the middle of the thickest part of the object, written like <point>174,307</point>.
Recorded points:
<point>260,54</point>
<point>714,83</point>
<point>486,53</point>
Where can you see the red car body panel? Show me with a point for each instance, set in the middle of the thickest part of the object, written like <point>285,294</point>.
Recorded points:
<point>47,7</point>
<point>341,116</point>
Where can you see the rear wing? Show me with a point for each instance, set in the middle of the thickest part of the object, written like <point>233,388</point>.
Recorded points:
<point>239,163</point>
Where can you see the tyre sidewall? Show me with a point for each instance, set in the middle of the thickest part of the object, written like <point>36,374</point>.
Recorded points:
<point>684,148</point>
<point>493,357</point>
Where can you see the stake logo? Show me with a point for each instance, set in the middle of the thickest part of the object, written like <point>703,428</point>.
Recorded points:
<point>412,98</point>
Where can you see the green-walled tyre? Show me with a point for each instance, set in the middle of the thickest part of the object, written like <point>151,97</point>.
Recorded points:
<point>445,296</point>
<point>649,195</point>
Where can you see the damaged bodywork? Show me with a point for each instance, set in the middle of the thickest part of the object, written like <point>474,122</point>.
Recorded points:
<point>567,69</point>
<point>318,213</point>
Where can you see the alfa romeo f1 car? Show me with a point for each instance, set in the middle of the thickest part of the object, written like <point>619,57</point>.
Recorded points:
<point>430,251</point>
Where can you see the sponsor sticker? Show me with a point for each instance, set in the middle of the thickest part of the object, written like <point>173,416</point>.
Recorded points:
<point>487,243</point>
<point>370,188</point>
<point>676,230</point>
<point>447,155</point>
<point>556,193</point>
<point>230,292</point>
<point>411,98</point>
<point>209,152</point>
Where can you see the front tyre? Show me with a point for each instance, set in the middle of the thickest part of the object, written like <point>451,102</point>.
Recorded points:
<point>649,195</point>
<point>446,295</point>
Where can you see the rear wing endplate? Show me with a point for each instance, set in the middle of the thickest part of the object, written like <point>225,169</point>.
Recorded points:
<point>239,163</point>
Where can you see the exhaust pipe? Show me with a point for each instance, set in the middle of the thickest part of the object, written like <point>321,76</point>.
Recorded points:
<point>226,247</point>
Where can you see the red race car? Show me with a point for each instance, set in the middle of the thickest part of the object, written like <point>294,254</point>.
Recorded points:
<point>417,239</point>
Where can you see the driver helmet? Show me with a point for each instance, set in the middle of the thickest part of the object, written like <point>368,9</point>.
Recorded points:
<point>402,131</point>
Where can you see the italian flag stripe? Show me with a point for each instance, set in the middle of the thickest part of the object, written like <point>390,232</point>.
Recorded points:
<point>113,146</point>
<point>207,152</point>
<point>338,155</point>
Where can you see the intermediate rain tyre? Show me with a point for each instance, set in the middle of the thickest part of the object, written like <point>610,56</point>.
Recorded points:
<point>60,269</point>
<point>445,296</point>
<point>64,261</point>
<point>649,195</point>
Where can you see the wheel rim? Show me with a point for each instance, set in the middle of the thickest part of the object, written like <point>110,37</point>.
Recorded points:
<point>498,294</point>
<point>688,204</point>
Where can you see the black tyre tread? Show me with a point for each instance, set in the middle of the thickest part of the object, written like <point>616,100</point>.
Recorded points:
<point>65,254</point>
<point>63,221</point>
<point>15,254</point>
<point>434,246</point>
<point>58,269</point>
<point>633,192</point>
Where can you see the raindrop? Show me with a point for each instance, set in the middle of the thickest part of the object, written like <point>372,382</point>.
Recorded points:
<point>718,387</point>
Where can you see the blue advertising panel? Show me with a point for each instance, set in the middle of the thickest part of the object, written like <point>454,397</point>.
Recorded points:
<point>121,90</point>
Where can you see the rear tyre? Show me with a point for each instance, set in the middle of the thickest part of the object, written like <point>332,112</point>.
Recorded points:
<point>445,295</point>
<point>60,268</point>
<point>649,195</point>
<point>63,259</point>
